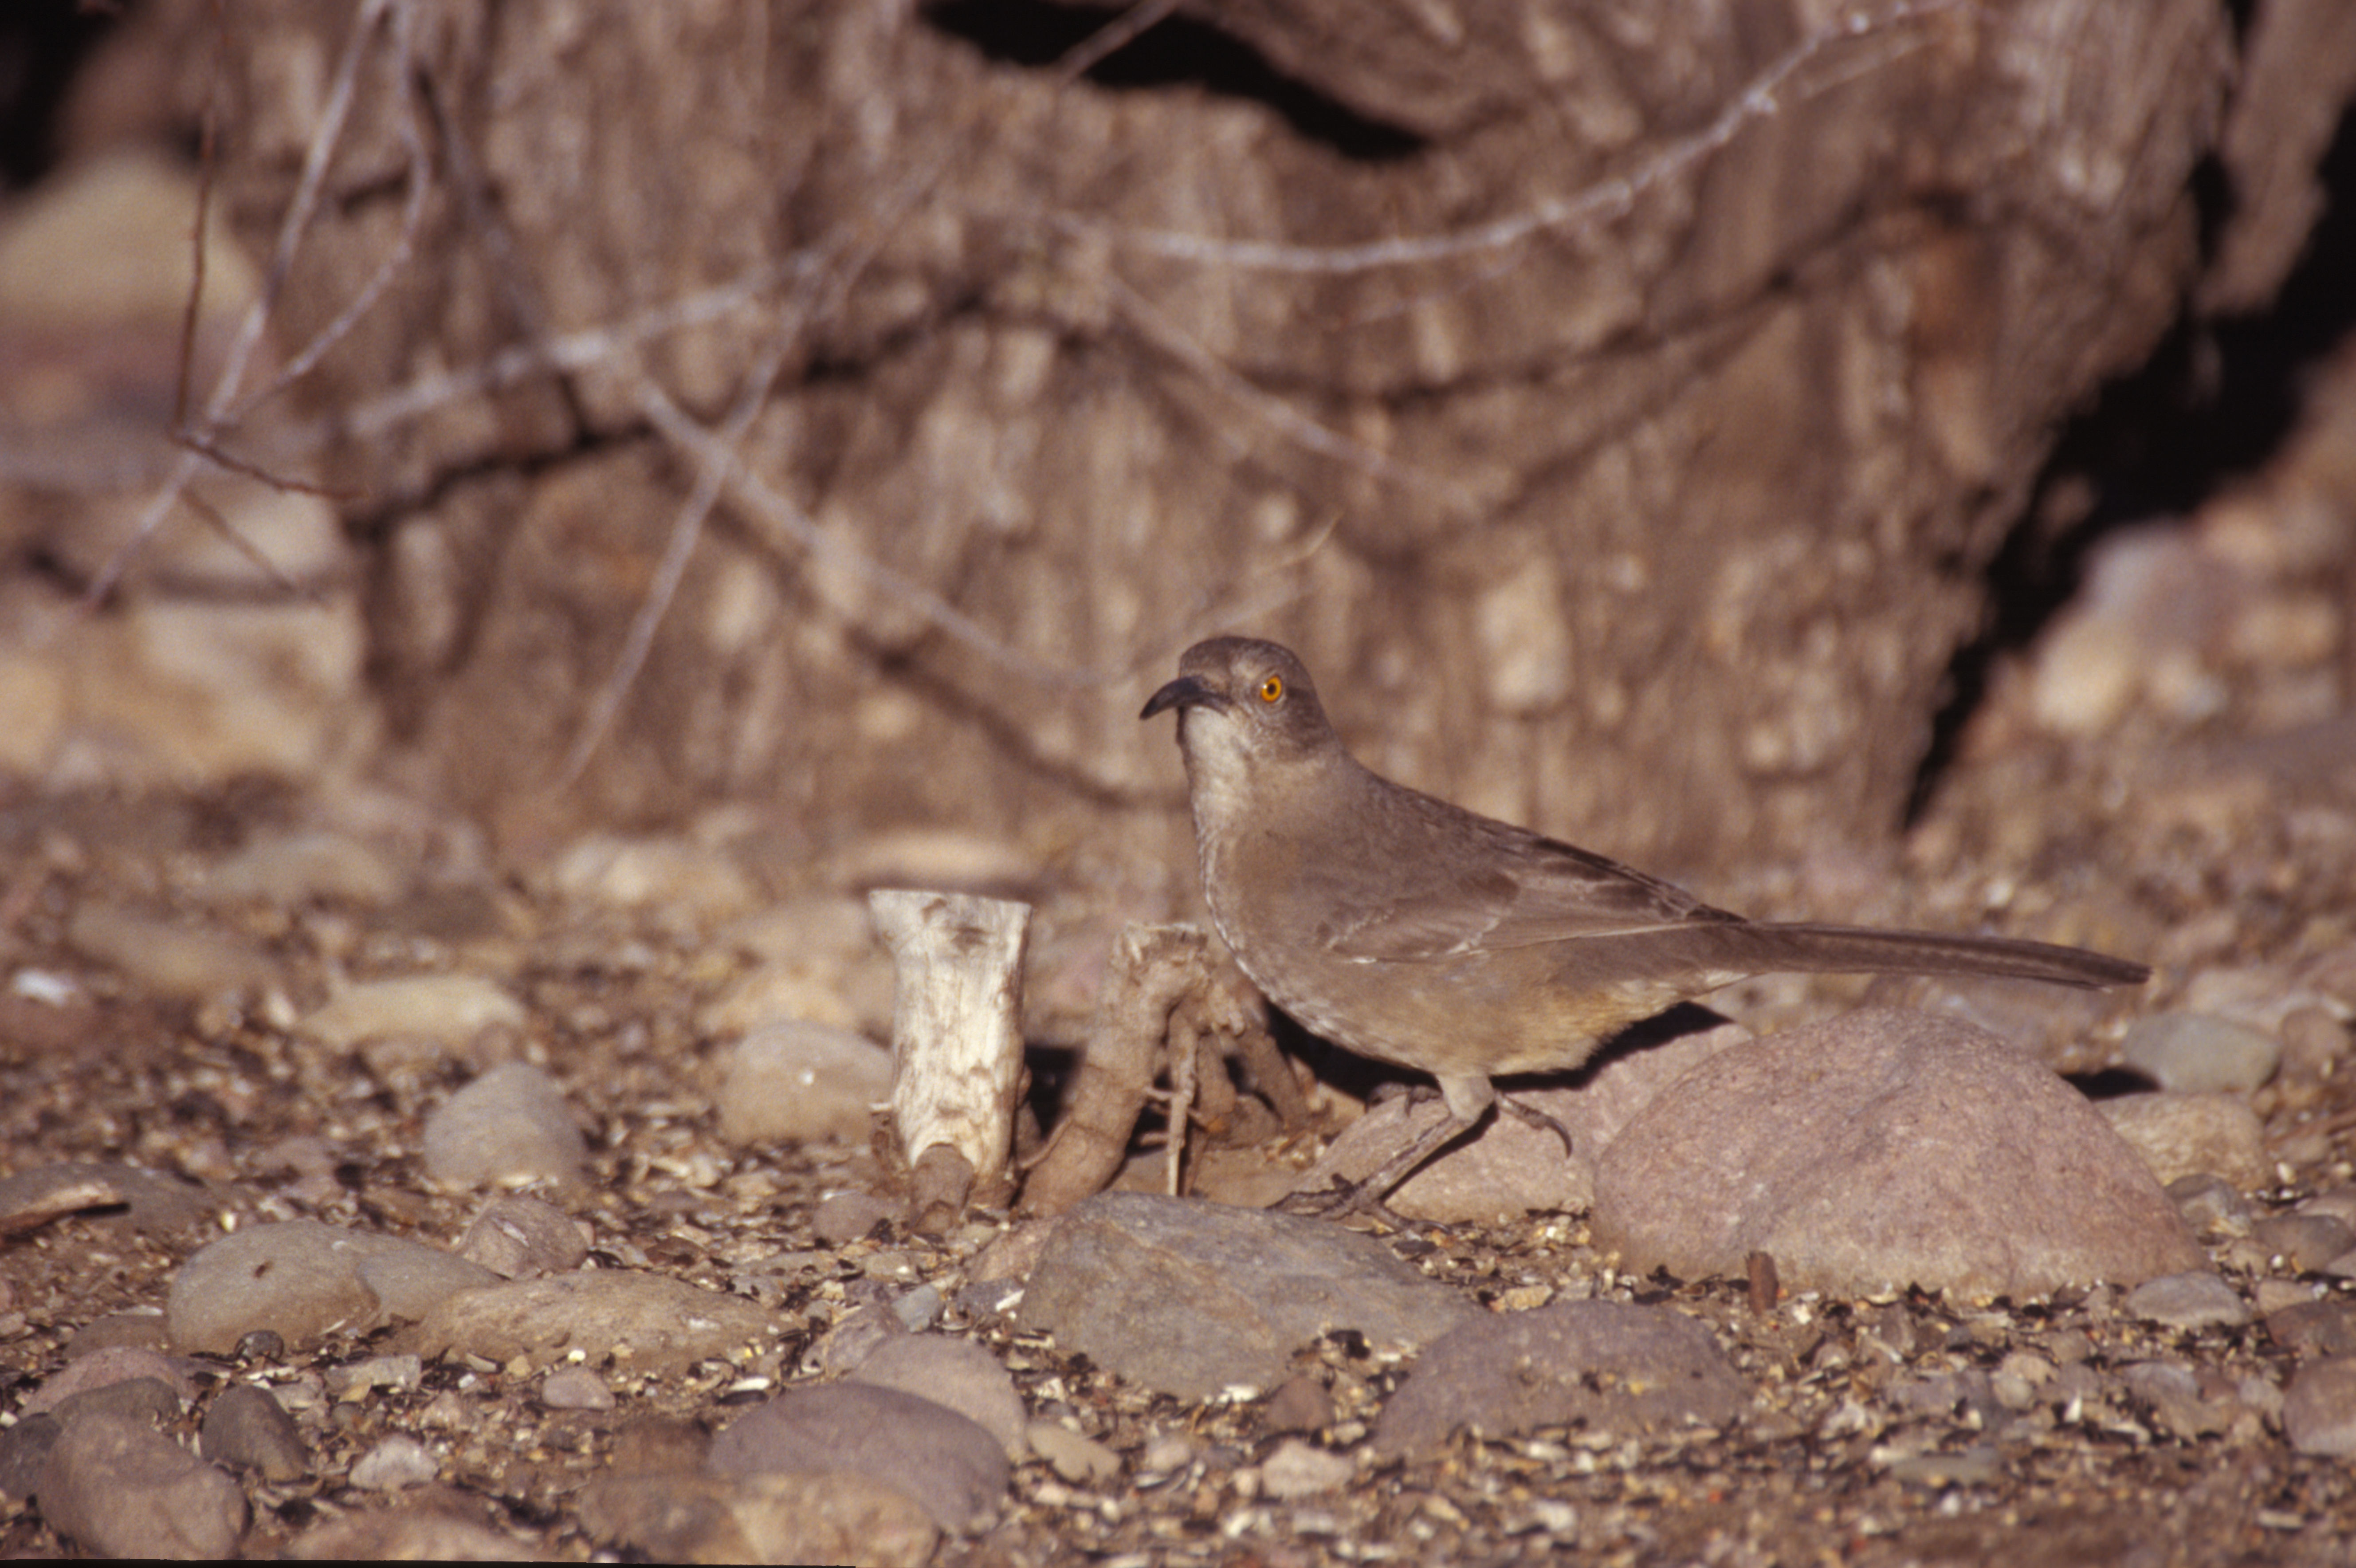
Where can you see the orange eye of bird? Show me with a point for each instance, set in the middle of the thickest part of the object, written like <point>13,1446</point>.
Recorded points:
<point>1271,689</point>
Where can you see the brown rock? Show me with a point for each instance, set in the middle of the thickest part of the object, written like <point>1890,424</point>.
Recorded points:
<point>953,1468</point>
<point>1615,1367</point>
<point>1192,1298</point>
<point>646,1322</point>
<point>1885,1148</point>
<point>120,1488</point>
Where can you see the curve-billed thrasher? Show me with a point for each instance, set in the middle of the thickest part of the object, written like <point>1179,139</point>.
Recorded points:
<point>1413,931</point>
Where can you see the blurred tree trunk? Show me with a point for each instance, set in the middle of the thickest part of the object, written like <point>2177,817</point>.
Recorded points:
<point>1616,403</point>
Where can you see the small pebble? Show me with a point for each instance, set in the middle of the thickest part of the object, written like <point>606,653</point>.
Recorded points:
<point>2196,1300</point>
<point>2314,1042</point>
<point>260,1344</point>
<point>919,1309</point>
<point>509,1126</point>
<point>1300,1403</point>
<point>450,1008</point>
<point>120,1363</point>
<point>2307,1241</point>
<point>361,1378</point>
<point>848,1216</point>
<point>2193,1053</point>
<point>1167,1453</point>
<point>1297,1469</point>
<point>151,1400</point>
<point>798,1082</point>
<point>393,1464</point>
<point>2210,1205</point>
<point>575,1387</point>
<point>246,1428</point>
<point>2319,1409</point>
<point>522,1238</point>
<point>24,1449</point>
<point>956,1373</point>
<point>1079,1458</point>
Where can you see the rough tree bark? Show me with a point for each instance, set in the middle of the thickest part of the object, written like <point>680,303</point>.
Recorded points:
<point>1616,410</point>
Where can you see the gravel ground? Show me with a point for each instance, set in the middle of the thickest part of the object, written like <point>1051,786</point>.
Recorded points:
<point>2171,789</point>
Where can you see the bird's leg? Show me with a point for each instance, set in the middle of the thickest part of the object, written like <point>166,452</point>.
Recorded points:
<point>1468,1100</point>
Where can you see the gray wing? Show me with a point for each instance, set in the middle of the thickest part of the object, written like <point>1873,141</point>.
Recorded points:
<point>1484,885</point>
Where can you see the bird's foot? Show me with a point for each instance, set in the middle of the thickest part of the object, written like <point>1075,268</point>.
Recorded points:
<point>1348,1200</point>
<point>1530,1116</point>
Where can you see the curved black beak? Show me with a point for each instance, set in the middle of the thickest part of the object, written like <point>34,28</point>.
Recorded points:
<point>1186,691</point>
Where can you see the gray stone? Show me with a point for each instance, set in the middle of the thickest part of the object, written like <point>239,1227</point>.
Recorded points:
<point>150,1400</point>
<point>137,1329</point>
<point>2196,1299</point>
<point>674,874</point>
<point>247,1428</point>
<point>304,1280</point>
<point>2210,1205</point>
<point>358,1379</point>
<point>2318,1410</point>
<point>1300,1403</point>
<point>114,1364</point>
<point>575,1387</point>
<point>1077,1457</point>
<point>828,1518</point>
<point>1192,1298</point>
<point>955,1468</point>
<point>919,1309</point>
<point>421,1534</point>
<point>287,870</point>
<point>167,957</point>
<point>797,1081</point>
<point>2172,1394</point>
<point>1881,1149</point>
<point>957,1373</point>
<point>522,1238</point>
<point>449,1008</point>
<point>119,1489</point>
<point>1297,1469</point>
<point>1978,1465</point>
<point>507,1127</point>
<point>642,1322</point>
<point>2193,1053</point>
<point>842,1217</point>
<point>2180,1135</point>
<point>2305,1242</point>
<point>24,1451</point>
<point>2315,1329</point>
<point>397,1461</point>
<point>1618,1368</point>
<point>157,1204</point>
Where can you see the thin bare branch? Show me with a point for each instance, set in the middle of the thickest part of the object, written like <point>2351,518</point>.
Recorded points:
<point>404,244</point>
<point>1603,202</point>
<point>716,453</point>
<point>1295,426</point>
<point>296,222</point>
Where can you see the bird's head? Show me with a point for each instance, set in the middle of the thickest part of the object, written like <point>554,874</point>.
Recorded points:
<point>1244,708</point>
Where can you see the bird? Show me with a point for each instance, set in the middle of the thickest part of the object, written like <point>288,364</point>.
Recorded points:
<point>1411,930</point>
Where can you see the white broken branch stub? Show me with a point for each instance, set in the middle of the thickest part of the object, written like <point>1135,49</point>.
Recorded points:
<point>956,1037</point>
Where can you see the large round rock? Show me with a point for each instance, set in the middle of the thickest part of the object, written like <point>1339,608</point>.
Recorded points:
<point>1882,1149</point>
